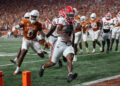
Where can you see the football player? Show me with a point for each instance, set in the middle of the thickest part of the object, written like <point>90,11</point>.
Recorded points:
<point>64,44</point>
<point>31,27</point>
<point>84,26</point>
<point>53,37</point>
<point>115,31</point>
<point>78,35</point>
<point>107,25</point>
<point>94,31</point>
<point>26,16</point>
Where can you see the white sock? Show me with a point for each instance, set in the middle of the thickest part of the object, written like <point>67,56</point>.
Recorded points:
<point>17,69</point>
<point>69,73</point>
<point>15,59</point>
<point>43,67</point>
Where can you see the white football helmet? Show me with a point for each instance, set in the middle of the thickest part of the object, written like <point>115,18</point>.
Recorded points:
<point>27,15</point>
<point>82,19</point>
<point>34,16</point>
<point>93,16</point>
<point>108,16</point>
<point>75,11</point>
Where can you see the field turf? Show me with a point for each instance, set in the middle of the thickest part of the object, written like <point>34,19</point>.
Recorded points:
<point>89,67</point>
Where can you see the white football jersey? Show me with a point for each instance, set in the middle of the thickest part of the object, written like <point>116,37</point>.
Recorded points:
<point>58,21</point>
<point>116,20</point>
<point>62,37</point>
<point>107,24</point>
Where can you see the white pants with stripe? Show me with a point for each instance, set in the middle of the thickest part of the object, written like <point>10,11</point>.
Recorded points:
<point>61,49</point>
<point>34,44</point>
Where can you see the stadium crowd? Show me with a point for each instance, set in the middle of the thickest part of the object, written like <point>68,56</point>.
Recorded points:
<point>11,11</point>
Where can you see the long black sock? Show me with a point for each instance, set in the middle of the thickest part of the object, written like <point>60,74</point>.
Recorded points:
<point>103,45</point>
<point>108,44</point>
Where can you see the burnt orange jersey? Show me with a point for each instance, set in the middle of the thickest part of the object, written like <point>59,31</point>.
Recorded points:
<point>77,17</point>
<point>84,27</point>
<point>78,28</point>
<point>94,24</point>
<point>30,30</point>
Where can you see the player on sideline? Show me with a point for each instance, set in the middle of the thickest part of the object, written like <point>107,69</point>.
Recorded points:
<point>107,25</point>
<point>78,35</point>
<point>30,29</point>
<point>84,26</point>
<point>26,16</point>
<point>64,44</point>
<point>115,31</point>
<point>95,25</point>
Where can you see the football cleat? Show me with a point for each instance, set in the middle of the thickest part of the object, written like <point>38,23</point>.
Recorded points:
<point>71,77</point>
<point>41,72</point>
<point>19,72</point>
<point>11,60</point>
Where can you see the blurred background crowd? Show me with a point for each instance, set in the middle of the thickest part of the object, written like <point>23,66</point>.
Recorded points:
<point>12,11</point>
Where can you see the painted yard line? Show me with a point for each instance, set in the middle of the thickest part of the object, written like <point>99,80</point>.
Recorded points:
<point>40,60</point>
<point>14,54</point>
<point>23,62</point>
<point>98,81</point>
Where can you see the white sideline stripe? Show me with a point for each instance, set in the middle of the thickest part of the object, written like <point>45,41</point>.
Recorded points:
<point>42,60</point>
<point>23,63</point>
<point>14,54</point>
<point>98,81</point>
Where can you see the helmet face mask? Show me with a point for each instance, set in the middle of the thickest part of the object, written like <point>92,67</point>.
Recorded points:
<point>92,18</point>
<point>108,16</point>
<point>34,16</point>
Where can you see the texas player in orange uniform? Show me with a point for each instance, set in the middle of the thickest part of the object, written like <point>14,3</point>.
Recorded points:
<point>95,25</point>
<point>78,36</point>
<point>26,16</point>
<point>84,26</point>
<point>30,29</point>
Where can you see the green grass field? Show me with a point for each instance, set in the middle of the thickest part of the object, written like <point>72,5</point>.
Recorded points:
<point>89,67</point>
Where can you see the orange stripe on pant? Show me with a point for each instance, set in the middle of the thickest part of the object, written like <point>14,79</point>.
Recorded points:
<point>1,78</point>
<point>52,51</point>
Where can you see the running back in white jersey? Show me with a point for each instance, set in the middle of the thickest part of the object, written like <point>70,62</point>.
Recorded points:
<point>62,37</point>
<point>58,21</point>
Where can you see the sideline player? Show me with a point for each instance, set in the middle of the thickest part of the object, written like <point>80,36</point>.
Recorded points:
<point>115,32</point>
<point>78,36</point>
<point>95,25</point>
<point>107,25</point>
<point>84,26</point>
